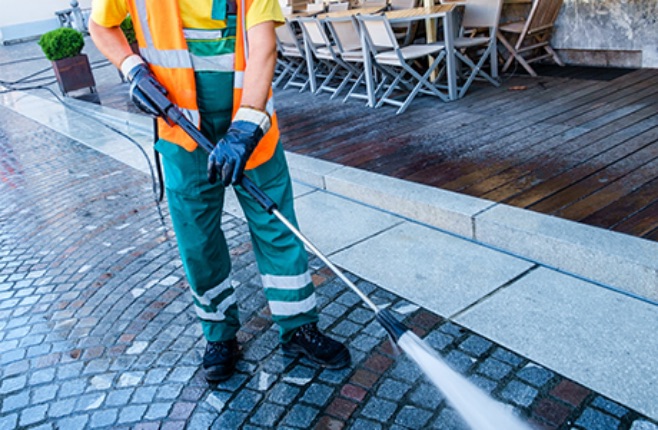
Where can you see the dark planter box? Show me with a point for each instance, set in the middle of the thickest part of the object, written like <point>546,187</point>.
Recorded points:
<point>74,73</point>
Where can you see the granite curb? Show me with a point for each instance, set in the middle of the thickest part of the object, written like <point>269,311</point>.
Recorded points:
<point>615,260</point>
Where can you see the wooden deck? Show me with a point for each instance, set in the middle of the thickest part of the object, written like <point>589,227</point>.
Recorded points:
<point>581,146</point>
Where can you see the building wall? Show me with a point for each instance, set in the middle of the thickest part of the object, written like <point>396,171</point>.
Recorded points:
<point>610,32</point>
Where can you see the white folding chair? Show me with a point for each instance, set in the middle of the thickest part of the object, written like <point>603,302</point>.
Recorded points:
<point>325,52</point>
<point>338,6</point>
<point>477,37</point>
<point>398,61</point>
<point>345,33</point>
<point>315,7</point>
<point>291,59</point>
<point>374,3</point>
<point>406,32</point>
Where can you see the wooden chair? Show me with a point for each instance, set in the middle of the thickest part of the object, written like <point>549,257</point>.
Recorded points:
<point>532,36</point>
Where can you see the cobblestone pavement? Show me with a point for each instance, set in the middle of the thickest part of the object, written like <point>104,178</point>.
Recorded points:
<point>97,330</point>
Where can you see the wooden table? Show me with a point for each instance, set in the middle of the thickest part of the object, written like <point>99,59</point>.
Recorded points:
<point>352,12</point>
<point>301,14</point>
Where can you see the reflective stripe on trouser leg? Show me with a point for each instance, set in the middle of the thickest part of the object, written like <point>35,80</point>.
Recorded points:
<point>196,207</point>
<point>281,257</point>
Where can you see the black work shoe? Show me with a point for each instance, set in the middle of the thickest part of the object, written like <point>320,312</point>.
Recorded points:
<point>320,349</point>
<point>219,360</point>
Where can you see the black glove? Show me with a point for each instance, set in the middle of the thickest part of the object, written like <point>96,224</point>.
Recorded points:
<point>141,82</point>
<point>231,153</point>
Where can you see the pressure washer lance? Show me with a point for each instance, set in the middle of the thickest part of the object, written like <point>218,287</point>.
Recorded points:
<point>476,408</point>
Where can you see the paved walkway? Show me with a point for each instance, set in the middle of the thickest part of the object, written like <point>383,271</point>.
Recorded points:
<point>97,329</point>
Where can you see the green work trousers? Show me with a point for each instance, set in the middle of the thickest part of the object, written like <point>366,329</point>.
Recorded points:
<point>196,212</point>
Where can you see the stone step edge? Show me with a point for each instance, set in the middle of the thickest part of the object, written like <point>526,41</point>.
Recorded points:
<point>614,260</point>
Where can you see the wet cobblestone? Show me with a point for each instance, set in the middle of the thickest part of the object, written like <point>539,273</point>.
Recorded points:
<point>97,331</point>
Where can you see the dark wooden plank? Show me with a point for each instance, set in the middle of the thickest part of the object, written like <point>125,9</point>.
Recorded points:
<point>576,201</point>
<point>623,214</point>
<point>522,162</point>
<point>603,90</point>
<point>502,125</point>
<point>613,191</point>
<point>567,133</point>
<point>567,156</point>
<point>563,95</point>
<point>653,235</point>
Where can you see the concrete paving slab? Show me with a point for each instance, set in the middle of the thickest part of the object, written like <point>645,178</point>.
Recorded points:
<point>441,272</point>
<point>616,259</point>
<point>439,208</point>
<point>599,338</point>
<point>333,223</point>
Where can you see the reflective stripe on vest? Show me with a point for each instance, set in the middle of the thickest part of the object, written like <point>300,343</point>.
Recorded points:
<point>215,63</point>
<point>165,49</point>
<point>194,34</point>
<point>170,59</point>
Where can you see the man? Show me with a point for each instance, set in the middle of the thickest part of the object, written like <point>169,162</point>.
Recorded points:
<point>215,59</point>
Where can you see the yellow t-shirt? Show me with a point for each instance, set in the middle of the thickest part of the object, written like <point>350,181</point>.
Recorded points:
<point>194,13</point>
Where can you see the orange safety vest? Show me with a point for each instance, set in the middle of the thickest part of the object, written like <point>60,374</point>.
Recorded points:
<point>159,31</point>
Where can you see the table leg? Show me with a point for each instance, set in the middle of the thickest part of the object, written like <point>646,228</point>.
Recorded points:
<point>451,70</point>
<point>311,67</point>
<point>494,57</point>
<point>367,65</point>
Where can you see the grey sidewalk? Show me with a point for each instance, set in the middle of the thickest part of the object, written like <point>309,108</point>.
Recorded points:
<point>595,336</point>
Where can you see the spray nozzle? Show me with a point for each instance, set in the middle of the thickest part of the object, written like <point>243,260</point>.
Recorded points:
<point>394,327</point>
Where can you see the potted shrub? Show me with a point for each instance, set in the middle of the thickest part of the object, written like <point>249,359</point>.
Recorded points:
<point>63,47</point>
<point>129,32</point>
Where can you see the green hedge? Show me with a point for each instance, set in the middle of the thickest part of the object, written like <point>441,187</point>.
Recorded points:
<point>62,43</point>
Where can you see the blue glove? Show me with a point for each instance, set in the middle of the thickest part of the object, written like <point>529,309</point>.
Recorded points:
<point>231,153</point>
<point>141,82</point>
